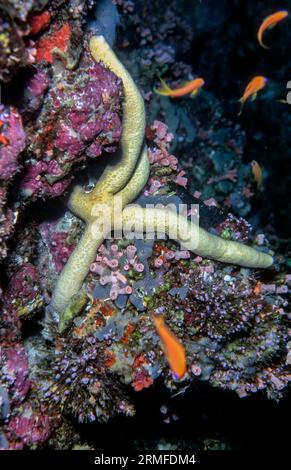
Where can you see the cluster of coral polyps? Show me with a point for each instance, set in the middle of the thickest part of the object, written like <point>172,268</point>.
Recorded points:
<point>115,267</point>
<point>234,336</point>
<point>83,385</point>
<point>158,40</point>
<point>164,165</point>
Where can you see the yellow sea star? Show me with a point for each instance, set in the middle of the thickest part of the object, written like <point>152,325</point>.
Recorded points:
<point>125,179</point>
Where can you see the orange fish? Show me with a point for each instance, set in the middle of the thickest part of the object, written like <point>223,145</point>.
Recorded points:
<point>257,173</point>
<point>256,84</point>
<point>174,350</point>
<point>191,88</point>
<point>269,23</point>
<point>3,139</point>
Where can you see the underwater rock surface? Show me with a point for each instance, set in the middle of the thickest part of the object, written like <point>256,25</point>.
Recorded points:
<point>60,122</point>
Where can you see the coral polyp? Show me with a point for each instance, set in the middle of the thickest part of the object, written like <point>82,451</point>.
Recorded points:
<point>80,383</point>
<point>116,267</point>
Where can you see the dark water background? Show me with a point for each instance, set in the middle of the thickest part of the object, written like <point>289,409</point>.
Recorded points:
<point>207,419</point>
<point>228,57</point>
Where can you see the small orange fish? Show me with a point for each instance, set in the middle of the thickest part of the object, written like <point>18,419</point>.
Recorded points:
<point>256,84</point>
<point>257,173</point>
<point>174,350</point>
<point>269,23</point>
<point>3,139</point>
<point>258,288</point>
<point>191,88</point>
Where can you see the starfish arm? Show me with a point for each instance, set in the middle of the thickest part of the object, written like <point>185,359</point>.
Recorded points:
<point>130,192</point>
<point>73,274</point>
<point>82,203</point>
<point>78,202</point>
<point>116,176</point>
<point>194,238</point>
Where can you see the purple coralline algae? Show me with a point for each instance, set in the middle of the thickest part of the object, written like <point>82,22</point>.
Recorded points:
<point>36,87</point>
<point>12,130</point>
<point>14,367</point>
<point>6,223</point>
<point>25,424</point>
<point>24,293</point>
<point>12,143</point>
<point>31,428</point>
<point>79,119</point>
<point>58,242</point>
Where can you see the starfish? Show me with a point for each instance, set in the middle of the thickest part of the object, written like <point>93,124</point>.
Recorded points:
<point>124,180</point>
<point>133,167</point>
